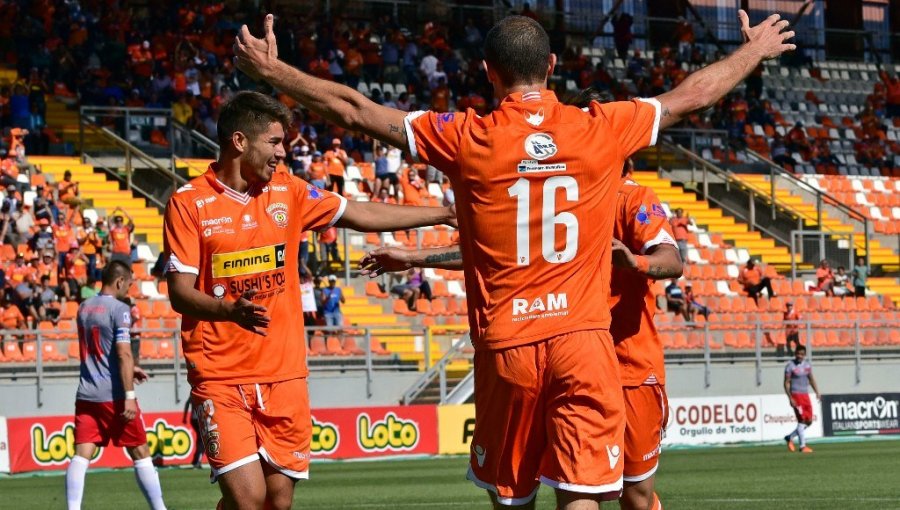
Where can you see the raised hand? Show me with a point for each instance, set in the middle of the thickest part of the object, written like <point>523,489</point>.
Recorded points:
<point>622,256</point>
<point>256,57</point>
<point>384,260</point>
<point>769,37</point>
<point>248,315</point>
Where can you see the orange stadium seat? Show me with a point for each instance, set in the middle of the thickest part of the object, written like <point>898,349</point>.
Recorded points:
<point>145,307</point>
<point>69,310</point>
<point>163,308</point>
<point>67,330</point>
<point>148,350</point>
<point>163,288</point>
<point>679,341</point>
<point>317,345</point>
<point>452,306</point>
<point>166,350</point>
<point>29,351</point>
<point>333,347</point>
<point>351,347</point>
<point>423,306</point>
<point>50,352</point>
<point>401,308</point>
<point>372,290</point>
<point>73,351</point>
<point>140,271</point>
<point>48,330</point>
<point>11,352</point>
<point>439,289</point>
<point>438,307</point>
<point>376,347</point>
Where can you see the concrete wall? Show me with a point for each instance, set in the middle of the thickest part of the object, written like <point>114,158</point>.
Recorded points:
<point>19,398</point>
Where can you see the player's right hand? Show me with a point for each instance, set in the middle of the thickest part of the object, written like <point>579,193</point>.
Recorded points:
<point>249,316</point>
<point>130,410</point>
<point>384,260</point>
<point>255,56</point>
<point>768,38</point>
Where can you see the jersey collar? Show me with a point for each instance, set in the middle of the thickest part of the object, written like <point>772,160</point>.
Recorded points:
<point>220,187</point>
<point>542,95</point>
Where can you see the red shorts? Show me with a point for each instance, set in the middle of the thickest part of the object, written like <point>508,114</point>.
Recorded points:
<point>241,423</point>
<point>100,422</point>
<point>549,412</point>
<point>646,414</point>
<point>803,409</point>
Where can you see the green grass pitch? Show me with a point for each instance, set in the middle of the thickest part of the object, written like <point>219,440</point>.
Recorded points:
<point>844,475</point>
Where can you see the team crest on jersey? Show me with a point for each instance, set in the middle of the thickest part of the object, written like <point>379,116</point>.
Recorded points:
<point>212,443</point>
<point>658,211</point>
<point>535,119</point>
<point>540,146</point>
<point>279,213</point>
<point>642,217</point>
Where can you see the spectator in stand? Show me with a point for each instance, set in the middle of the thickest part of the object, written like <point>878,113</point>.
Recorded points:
<point>120,235</point>
<point>43,238</point>
<point>318,176</point>
<point>861,273</point>
<point>841,281</point>
<point>680,224</point>
<point>825,278</point>
<point>44,303</point>
<point>384,197</point>
<point>796,140</point>
<point>414,188</point>
<point>91,245</point>
<point>675,301</point>
<point>336,161</point>
<point>684,35</point>
<point>791,328</point>
<point>382,175</point>
<point>622,35</point>
<point>63,236</point>
<point>24,223</point>
<point>752,278</point>
<point>47,267</point>
<point>403,102</point>
<point>692,305</point>
<point>11,316</point>
<point>412,289</point>
<point>328,248</point>
<point>182,110</point>
<point>76,271</point>
<point>20,272</point>
<point>892,86</point>
<point>332,298</point>
<point>68,190</point>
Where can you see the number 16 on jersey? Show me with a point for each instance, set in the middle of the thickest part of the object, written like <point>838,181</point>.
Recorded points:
<point>521,191</point>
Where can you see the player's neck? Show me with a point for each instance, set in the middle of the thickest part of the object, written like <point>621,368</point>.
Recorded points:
<point>228,172</point>
<point>537,87</point>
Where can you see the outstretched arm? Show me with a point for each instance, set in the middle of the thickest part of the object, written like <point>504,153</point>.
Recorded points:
<point>661,261</point>
<point>707,86</point>
<point>392,260</point>
<point>335,102</point>
<point>377,217</point>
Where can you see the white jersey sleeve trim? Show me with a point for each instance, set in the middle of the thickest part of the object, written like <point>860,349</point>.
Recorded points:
<point>662,237</point>
<point>410,134</point>
<point>340,212</point>
<point>176,266</point>
<point>653,101</point>
<point>123,335</point>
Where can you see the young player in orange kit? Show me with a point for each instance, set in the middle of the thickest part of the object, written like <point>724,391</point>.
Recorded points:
<point>535,183</point>
<point>232,237</point>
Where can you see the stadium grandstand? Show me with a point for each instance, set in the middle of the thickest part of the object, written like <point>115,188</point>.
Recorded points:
<point>106,108</point>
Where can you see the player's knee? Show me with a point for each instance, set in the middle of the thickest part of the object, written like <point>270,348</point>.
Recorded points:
<point>250,497</point>
<point>280,500</point>
<point>139,452</point>
<point>638,496</point>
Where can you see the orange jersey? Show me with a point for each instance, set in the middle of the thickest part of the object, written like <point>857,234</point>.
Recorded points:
<point>333,163</point>
<point>235,242</point>
<point>316,171</point>
<point>641,223</point>
<point>535,185</point>
<point>120,239</point>
<point>64,236</point>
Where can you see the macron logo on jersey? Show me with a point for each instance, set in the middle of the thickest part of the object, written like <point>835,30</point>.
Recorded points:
<point>553,305</point>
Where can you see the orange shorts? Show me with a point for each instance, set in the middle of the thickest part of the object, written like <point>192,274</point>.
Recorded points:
<point>646,414</point>
<point>241,423</point>
<point>549,412</point>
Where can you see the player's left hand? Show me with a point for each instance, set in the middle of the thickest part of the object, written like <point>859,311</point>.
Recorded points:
<point>140,376</point>
<point>622,256</point>
<point>256,57</point>
<point>384,260</point>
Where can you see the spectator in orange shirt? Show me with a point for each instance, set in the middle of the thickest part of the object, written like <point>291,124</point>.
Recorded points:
<point>754,281</point>
<point>120,235</point>
<point>680,225</point>
<point>336,161</point>
<point>76,271</point>
<point>825,278</point>
<point>47,266</point>
<point>328,247</point>
<point>91,244</point>
<point>68,190</point>
<point>317,175</point>
<point>63,235</point>
<point>19,273</point>
<point>10,315</point>
<point>413,188</point>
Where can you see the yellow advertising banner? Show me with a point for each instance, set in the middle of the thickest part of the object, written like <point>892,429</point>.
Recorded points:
<point>456,425</point>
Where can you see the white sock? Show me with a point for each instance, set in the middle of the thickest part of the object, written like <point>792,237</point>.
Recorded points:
<point>148,481</point>
<point>75,481</point>
<point>796,432</point>
<point>801,433</point>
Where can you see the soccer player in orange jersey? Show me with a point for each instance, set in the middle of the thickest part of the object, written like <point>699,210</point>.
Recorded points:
<point>232,236</point>
<point>535,185</point>
<point>643,250</point>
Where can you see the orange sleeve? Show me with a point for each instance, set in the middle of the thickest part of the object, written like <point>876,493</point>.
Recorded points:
<point>646,224</point>
<point>635,123</point>
<point>435,138</point>
<point>181,237</point>
<point>318,209</point>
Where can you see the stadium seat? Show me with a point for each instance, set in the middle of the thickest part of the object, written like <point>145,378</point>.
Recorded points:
<point>423,306</point>
<point>401,308</point>
<point>317,345</point>
<point>163,287</point>
<point>67,330</point>
<point>50,352</point>
<point>439,289</point>
<point>149,289</point>
<point>163,309</point>
<point>166,350</point>
<point>29,351</point>
<point>48,330</point>
<point>333,347</point>
<point>148,350</point>
<point>350,346</point>
<point>12,353</point>
<point>73,351</point>
<point>372,290</point>
<point>69,310</point>
<point>376,347</point>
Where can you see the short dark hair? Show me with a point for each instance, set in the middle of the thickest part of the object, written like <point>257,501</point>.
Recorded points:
<point>800,348</point>
<point>250,113</point>
<point>114,270</point>
<point>518,49</point>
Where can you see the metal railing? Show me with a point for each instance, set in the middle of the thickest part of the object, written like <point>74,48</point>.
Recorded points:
<point>438,371</point>
<point>131,155</point>
<point>189,143</point>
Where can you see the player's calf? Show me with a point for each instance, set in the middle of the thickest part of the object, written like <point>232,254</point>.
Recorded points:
<point>638,496</point>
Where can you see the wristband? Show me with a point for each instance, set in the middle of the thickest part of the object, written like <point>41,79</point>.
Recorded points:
<point>130,395</point>
<point>641,264</point>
